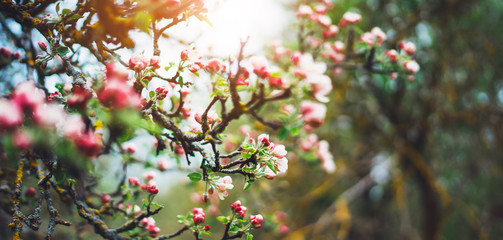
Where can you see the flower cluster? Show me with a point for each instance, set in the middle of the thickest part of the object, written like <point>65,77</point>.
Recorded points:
<point>28,105</point>
<point>149,224</point>
<point>270,159</point>
<point>321,150</point>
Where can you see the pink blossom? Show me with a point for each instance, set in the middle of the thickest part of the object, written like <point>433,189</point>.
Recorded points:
<point>73,126</point>
<point>214,65</point>
<point>309,142</point>
<point>283,229</point>
<point>304,11</point>
<point>327,160</point>
<point>279,151</point>
<point>138,62</point>
<point>5,52</point>
<point>324,20</point>
<point>278,82</point>
<point>393,75</point>
<point>222,185</point>
<point>242,211</point>
<point>79,98</point>
<point>88,144</point>
<point>411,66</point>
<point>30,192</point>
<point>134,181</point>
<point>331,31</point>
<point>256,220</point>
<point>129,147</point>
<point>22,139</point>
<point>392,54</point>
<point>287,109</point>
<point>320,9</point>
<point>27,95</point>
<point>133,210</point>
<point>49,115</point>
<point>42,46</point>
<point>296,57</point>
<point>264,138</point>
<point>350,17</point>
<point>408,47</point>
<point>282,165</point>
<point>379,34</point>
<point>199,216</point>
<point>313,113</point>
<point>149,175</point>
<point>163,164</point>
<point>368,38</point>
<point>10,114</point>
<point>105,198</point>
<point>260,66</point>
<point>117,94</point>
<point>155,61</point>
<point>212,117</point>
<point>321,85</point>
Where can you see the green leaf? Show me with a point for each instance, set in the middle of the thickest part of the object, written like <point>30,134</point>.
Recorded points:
<point>271,166</point>
<point>248,184</point>
<point>66,11</point>
<point>62,51</point>
<point>246,154</point>
<point>195,176</point>
<point>74,16</point>
<point>283,133</point>
<point>57,6</point>
<point>223,219</point>
<point>249,237</point>
<point>295,131</point>
<point>151,94</point>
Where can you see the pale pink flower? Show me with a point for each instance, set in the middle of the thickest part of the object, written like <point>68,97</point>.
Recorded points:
<point>304,11</point>
<point>411,66</point>
<point>22,139</point>
<point>163,164</point>
<point>350,17</point>
<point>138,62</point>
<point>222,185</point>
<point>129,147</point>
<point>408,47</point>
<point>279,151</point>
<point>73,126</point>
<point>324,21</point>
<point>330,31</point>
<point>27,95</point>
<point>264,138</point>
<point>392,54</point>
<point>282,165</point>
<point>339,46</point>
<point>155,61</point>
<point>327,160</point>
<point>10,114</point>
<point>380,35</point>
<point>313,113</point>
<point>309,142</point>
<point>320,9</point>
<point>49,115</point>
<point>368,38</point>
<point>260,66</point>
<point>214,65</point>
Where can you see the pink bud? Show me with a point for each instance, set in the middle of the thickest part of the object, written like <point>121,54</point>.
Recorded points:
<point>30,192</point>
<point>105,198</point>
<point>42,45</point>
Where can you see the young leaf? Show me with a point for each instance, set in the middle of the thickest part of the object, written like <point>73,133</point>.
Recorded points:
<point>62,51</point>
<point>195,176</point>
<point>248,184</point>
